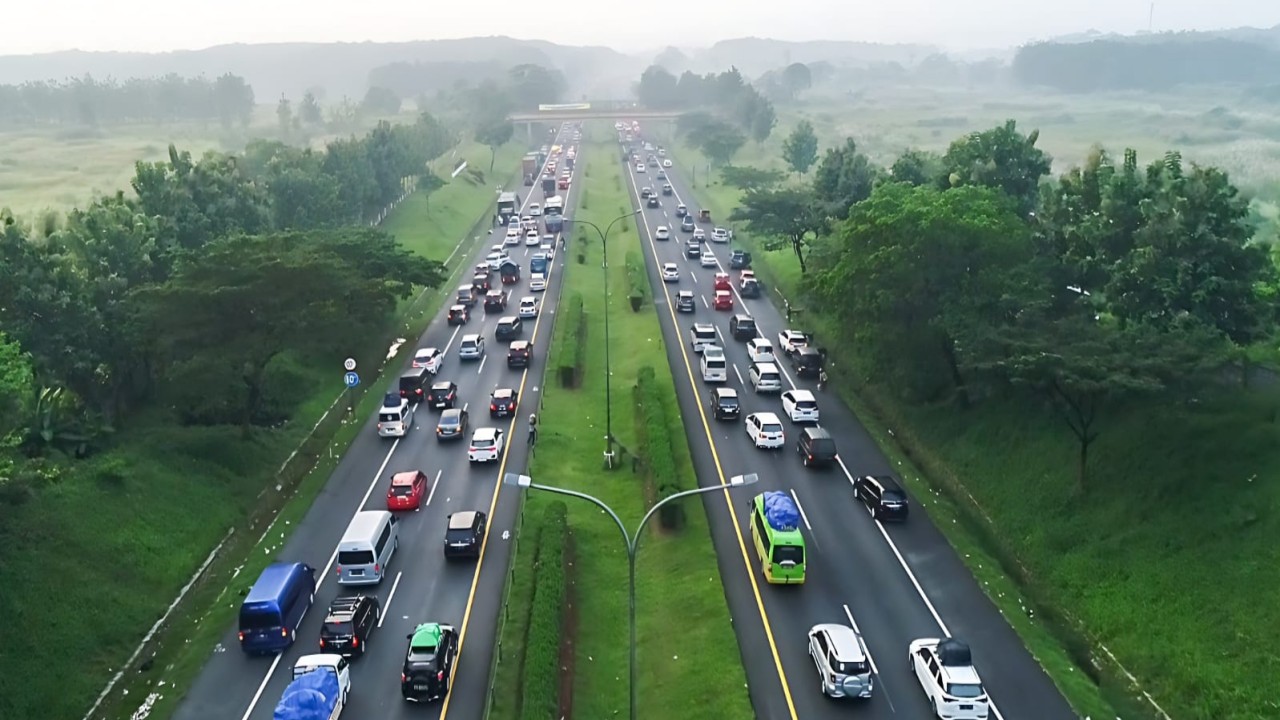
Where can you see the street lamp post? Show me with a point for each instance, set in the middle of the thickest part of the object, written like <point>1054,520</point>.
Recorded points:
<point>631,541</point>
<point>608,372</point>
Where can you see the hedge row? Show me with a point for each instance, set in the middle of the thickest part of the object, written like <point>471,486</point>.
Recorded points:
<point>540,676</point>
<point>637,281</point>
<point>657,448</point>
<point>571,341</point>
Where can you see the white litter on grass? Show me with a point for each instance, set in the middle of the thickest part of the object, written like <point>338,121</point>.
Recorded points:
<point>145,709</point>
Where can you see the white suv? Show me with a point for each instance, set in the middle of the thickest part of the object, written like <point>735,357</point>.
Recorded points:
<point>760,350</point>
<point>765,377</point>
<point>662,233</point>
<point>946,673</point>
<point>800,406</point>
<point>765,430</point>
<point>528,307</point>
<point>486,445</point>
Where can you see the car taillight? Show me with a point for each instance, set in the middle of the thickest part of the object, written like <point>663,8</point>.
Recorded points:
<point>404,678</point>
<point>337,570</point>
<point>377,568</point>
<point>418,391</point>
<point>321,643</point>
<point>284,632</point>
<point>355,641</point>
<point>379,426</point>
<point>403,393</point>
<point>440,675</point>
<point>240,635</point>
<point>493,406</point>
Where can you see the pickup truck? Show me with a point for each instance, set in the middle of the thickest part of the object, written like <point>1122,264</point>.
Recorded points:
<point>319,690</point>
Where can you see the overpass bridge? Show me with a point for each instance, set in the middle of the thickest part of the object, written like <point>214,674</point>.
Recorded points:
<point>607,110</point>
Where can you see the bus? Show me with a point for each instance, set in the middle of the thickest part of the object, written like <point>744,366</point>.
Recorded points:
<point>508,205</point>
<point>553,206</point>
<point>775,533</point>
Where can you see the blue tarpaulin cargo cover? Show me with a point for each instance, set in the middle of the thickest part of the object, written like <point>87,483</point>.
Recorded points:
<point>780,511</point>
<point>310,697</point>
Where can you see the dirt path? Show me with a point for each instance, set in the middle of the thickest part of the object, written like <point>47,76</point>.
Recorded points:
<point>570,633</point>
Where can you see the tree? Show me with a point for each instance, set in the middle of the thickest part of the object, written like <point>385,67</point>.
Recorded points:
<point>763,120</point>
<point>243,300</point>
<point>719,140</point>
<point>916,167</point>
<point>657,89</point>
<point>381,101</point>
<point>17,384</point>
<point>1000,158</point>
<point>796,78</point>
<point>747,178</point>
<point>786,217</point>
<point>532,85</point>
<point>844,177</point>
<point>233,98</point>
<point>494,133</point>
<point>800,150</point>
<point>284,116</point>
<point>309,110</point>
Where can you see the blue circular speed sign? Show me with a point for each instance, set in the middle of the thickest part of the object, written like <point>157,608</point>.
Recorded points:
<point>351,379</point>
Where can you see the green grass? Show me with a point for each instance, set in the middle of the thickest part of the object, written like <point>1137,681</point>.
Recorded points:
<point>689,661</point>
<point>101,552</point>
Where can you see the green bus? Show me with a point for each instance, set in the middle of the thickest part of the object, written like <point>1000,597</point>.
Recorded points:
<point>775,532</point>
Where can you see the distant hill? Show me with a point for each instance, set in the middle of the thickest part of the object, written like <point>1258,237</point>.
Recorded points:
<point>339,68</point>
<point>755,56</point>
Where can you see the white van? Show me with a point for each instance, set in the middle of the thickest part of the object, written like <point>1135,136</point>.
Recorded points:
<point>714,366</point>
<point>366,547</point>
<point>701,335</point>
<point>395,421</point>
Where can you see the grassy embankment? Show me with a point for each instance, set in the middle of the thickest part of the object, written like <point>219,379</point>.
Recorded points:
<point>102,552</point>
<point>689,662</point>
<point>1178,523</point>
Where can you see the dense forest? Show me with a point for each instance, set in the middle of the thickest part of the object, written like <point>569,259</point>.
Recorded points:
<point>729,110</point>
<point>1103,65</point>
<point>86,101</point>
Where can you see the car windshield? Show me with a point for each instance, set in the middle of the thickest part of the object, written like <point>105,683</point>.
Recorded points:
<point>851,668</point>
<point>788,553</point>
<point>806,405</point>
<point>422,654</point>
<point>402,490</point>
<point>457,535</point>
<point>771,428</point>
<point>729,402</point>
<point>482,443</point>
<point>258,620</point>
<point>389,417</point>
<point>355,557</point>
<point>894,496</point>
<point>336,629</point>
<point>964,690</point>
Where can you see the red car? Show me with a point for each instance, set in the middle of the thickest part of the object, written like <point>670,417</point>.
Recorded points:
<point>563,184</point>
<point>408,490</point>
<point>722,281</point>
<point>724,300</point>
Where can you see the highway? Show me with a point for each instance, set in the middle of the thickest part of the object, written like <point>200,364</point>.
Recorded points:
<point>892,583</point>
<point>420,586</point>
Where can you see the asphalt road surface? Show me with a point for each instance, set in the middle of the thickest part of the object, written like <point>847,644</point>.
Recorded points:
<point>419,586</point>
<point>892,582</point>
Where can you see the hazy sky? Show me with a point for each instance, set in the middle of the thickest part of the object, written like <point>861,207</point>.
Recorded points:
<point>155,25</point>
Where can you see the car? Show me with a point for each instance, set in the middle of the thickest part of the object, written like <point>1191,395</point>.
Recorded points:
<point>538,263</point>
<point>666,163</point>
<point>765,377</point>
<point>719,235</point>
<point>692,249</point>
<point>723,300</point>
<point>743,327</point>
<point>765,430</point>
<point>563,183</point>
<point>531,238</point>
<point>654,202</point>
<point>816,447</point>
<point>482,269</point>
<point>667,189</point>
<point>348,624</point>
<point>662,152</point>
<point>760,350</point>
<point>747,274</point>
<point>528,307</point>
<point>442,394</point>
<point>548,249</point>
<point>452,424</point>
<point>670,272</point>
<point>725,404</point>
<point>707,260</point>
<point>537,282</point>
<point>807,362</point>
<point>749,288</point>
<point>883,497</point>
<point>480,283</point>
<point>841,659</point>
<point>701,335</point>
<point>646,193</point>
<point>662,233</point>
<point>509,272</point>
<point>700,235</point>
<point>682,210</point>
<point>535,210</point>
<point>486,445</point>
<point>662,175</point>
<point>739,259</point>
<point>519,354</point>
<point>640,167</point>
<point>428,358</point>
<point>464,534</point>
<point>653,161</point>
<point>526,220</point>
<point>503,402</point>
<point>494,259</point>
<point>471,347</point>
<point>413,384</point>
<point>685,301</point>
<point>495,301</point>
<point>395,417</point>
<point>513,238</point>
<point>722,282</point>
<point>792,340</point>
<point>686,224</point>
<point>428,663</point>
<point>800,406</point>
<point>407,490</point>
<point>508,328</point>
<point>944,668</point>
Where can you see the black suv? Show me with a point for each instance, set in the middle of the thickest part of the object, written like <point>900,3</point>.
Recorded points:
<point>749,288</point>
<point>443,394</point>
<point>413,384</point>
<point>459,315</point>
<point>508,328</point>
<point>654,202</point>
<point>739,260</point>
<point>816,447</point>
<point>743,327</point>
<point>724,404</point>
<point>348,623</point>
<point>464,534</point>
<point>502,403</point>
<point>808,361</point>
<point>693,249</point>
<point>666,189</point>
<point>882,495</point>
<point>428,663</point>
<point>495,301</point>
<point>519,354</point>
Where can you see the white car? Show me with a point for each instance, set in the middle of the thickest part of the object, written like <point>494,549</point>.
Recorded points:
<point>765,430</point>
<point>486,445</point>
<point>662,233</point>
<point>760,350</point>
<point>429,358</point>
<point>513,238</point>
<point>765,377</point>
<point>666,163</point>
<point>640,167</point>
<point>494,260</point>
<point>670,272</point>
<point>499,248</point>
<point>719,235</point>
<point>792,340</point>
<point>537,282</point>
<point>471,347</point>
<point>946,673</point>
<point>800,406</point>
<point>700,235</point>
<point>535,210</point>
<point>531,238</point>
<point>527,220</point>
<point>707,259</point>
<point>528,307</point>
<point>548,248</point>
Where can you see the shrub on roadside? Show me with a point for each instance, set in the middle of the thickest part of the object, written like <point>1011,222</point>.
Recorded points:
<point>654,424</point>
<point>570,342</point>
<point>540,677</point>
<point>637,281</point>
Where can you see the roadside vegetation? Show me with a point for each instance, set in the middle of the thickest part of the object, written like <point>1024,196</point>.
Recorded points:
<point>1082,387</point>
<point>689,662</point>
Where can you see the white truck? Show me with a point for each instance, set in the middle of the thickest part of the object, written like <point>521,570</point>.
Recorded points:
<point>318,691</point>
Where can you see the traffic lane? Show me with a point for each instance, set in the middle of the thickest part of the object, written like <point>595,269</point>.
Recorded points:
<point>1017,683</point>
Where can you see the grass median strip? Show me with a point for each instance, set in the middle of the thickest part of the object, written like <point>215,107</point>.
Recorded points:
<point>689,661</point>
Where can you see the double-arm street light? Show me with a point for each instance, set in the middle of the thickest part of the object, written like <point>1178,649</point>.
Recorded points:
<point>631,541</point>
<point>608,372</point>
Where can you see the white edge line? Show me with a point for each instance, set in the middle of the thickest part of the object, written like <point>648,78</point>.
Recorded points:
<point>884,691</point>
<point>739,374</point>
<point>257,695</point>
<point>434,486</point>
<point>383,611</point>
<point>803,515</point>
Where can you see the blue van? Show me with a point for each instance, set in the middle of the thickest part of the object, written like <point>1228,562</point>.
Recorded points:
<point>273,610</point>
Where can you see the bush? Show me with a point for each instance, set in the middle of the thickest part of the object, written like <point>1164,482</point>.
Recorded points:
<point>540,677</point>
<point>654,425</point>
<point>637,281</point>
<point>570,345</point>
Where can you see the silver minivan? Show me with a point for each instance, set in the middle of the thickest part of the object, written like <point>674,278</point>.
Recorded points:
<point>714,366</point>
<point>841,659</point>
<point>395,421</point>
<point>367,547</point>
<point>765,377</point>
